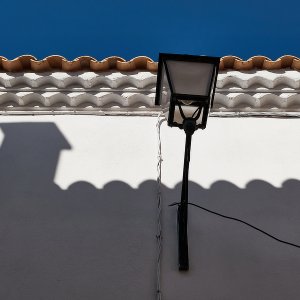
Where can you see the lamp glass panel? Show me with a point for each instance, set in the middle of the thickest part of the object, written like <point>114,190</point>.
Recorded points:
<point>165,89</point>
<point>192,78</point>
<point>189,112</point>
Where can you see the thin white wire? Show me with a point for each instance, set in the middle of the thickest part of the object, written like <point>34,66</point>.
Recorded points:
<point>159,210</point>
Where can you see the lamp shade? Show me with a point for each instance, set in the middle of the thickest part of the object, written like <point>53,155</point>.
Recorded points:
<point>185,87</point>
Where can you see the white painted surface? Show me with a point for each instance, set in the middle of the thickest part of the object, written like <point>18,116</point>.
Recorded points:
<point>78,208</point>
<point>94,239</point>
<point>102,149</point>
<point>1,137</point>
<point>238,150</point>
<point>106,149</point>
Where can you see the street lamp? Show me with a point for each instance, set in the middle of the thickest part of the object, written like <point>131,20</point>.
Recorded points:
<point>185,89</point>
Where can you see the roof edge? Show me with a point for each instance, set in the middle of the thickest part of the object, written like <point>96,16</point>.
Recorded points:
<point>56,62</point>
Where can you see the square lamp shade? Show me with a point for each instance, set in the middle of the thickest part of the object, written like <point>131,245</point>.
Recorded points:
<point>185,87</point>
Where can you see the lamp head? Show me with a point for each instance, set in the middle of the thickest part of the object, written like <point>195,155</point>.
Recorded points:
<point>185,87</point>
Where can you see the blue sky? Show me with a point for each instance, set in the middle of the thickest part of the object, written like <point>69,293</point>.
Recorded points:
<point>132,28</point>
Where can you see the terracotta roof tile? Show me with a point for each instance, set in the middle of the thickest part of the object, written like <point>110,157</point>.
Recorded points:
<point>56,62</point>
<point>259,62</point>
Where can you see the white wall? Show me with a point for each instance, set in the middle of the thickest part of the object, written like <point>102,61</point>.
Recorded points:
<point>237,150</point>
<point>78,208</point>
<point>247,168</point>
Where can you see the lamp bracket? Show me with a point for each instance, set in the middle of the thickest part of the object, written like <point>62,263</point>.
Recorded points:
<point>189,126</point>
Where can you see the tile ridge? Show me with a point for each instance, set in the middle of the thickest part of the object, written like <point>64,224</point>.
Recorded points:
<point>88,63</point>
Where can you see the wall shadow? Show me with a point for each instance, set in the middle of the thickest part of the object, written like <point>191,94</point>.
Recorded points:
<point>88,243</point>
<point>229,260</point>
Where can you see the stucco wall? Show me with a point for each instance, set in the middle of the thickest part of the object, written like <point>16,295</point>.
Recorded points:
<point>247,168</point>
<point>78,208</point>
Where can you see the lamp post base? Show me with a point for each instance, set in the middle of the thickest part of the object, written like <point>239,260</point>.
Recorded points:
<point>183,251</point>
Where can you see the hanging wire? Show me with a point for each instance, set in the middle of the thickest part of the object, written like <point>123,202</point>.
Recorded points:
<point>241,221</point>
<point>159,209</point>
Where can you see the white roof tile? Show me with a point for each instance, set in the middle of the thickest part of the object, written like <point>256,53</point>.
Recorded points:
<point>253,90</point>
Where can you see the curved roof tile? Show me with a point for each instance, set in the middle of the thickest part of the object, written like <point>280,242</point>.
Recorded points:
<point>144,79</point>
<point>33,101</point>
<point>94,92</point>
<point>56,62</point>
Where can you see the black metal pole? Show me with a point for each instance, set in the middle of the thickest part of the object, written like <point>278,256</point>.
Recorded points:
<point>182,212</point>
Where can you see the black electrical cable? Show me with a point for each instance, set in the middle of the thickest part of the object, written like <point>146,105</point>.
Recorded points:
<point>241,221</point>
